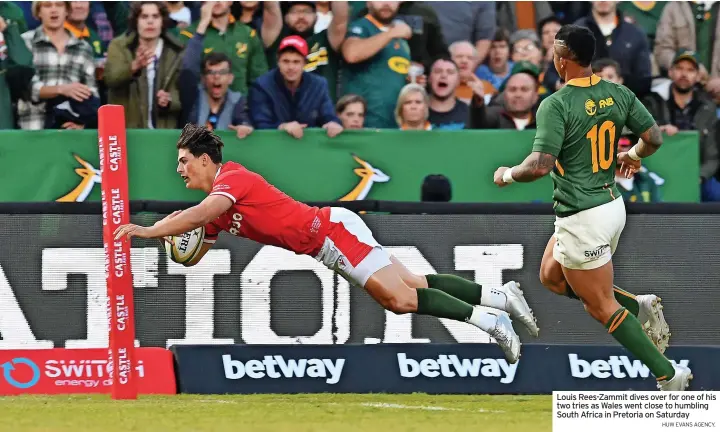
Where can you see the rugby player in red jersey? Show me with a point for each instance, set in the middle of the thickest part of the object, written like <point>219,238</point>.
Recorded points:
<point>242,203</point>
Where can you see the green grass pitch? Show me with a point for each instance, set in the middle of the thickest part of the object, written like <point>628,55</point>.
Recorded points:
<point>277,413</point>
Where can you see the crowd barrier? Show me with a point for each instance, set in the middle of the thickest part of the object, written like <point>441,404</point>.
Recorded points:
<point>432,368</point>
<point>370,164</point>
<point>382,368</point>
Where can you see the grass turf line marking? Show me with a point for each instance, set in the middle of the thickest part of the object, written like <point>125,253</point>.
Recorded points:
<point>419,407</point>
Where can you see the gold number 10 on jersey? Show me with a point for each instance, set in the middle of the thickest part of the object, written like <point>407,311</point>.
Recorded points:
<point>603,150</point>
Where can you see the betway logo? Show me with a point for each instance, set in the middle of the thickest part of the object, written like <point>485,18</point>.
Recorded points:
<point>615,366</point>
<point>257,369</point>
<point>451,366</point>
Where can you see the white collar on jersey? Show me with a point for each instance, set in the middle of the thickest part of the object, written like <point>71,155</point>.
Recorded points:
<point>218,172</point>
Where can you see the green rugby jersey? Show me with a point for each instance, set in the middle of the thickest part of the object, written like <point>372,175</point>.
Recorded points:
<point>241,43</point>
<point>380,78</point>
<point>580,125</point>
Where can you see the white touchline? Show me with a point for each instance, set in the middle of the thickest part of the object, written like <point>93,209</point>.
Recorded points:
<point>421,407</point>
<point>219,401</point>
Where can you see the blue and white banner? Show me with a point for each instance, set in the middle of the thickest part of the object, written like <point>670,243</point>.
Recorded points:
<point>426,368</point>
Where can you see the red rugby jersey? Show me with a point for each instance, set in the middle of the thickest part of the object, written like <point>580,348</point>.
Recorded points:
<point>263,213</point>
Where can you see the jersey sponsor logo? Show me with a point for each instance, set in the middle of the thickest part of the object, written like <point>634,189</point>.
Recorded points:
<point>399,65</point>
<point>590,107</point>
<point>89,177</point>
<point>615,366</point>
<point>220,187</point>
<point>241,49</point>
<point>276,367</point>
<point>369,175</point>
<point>318,57</point>
<point>604,103</point>
<point>597,252</point>
<point>452,366</point>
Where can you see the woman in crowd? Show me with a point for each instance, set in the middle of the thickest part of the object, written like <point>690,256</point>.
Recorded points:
<point>351,109</point>
<point>413,108</point>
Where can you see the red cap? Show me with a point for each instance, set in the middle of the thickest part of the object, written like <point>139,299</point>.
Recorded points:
<point>295,42</point>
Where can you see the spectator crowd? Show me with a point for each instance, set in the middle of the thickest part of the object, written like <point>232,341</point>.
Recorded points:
<point>340,65</point>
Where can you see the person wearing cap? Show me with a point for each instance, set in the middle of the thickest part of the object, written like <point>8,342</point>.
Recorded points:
<point>220,32</point>
<point>300,18</point>
<point>290,99</point>
<point>519,101</point>
<point>377,61</point>
<point>690,107</point>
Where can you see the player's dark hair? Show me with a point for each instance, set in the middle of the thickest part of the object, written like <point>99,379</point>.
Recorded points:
<point>198,140</point>
<point>599,65</point>
<point>580,43</point>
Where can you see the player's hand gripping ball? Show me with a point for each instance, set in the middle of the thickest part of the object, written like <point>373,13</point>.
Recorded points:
<point>184,248</point>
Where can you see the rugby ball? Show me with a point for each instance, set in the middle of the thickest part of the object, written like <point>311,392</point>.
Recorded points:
<point>186,247</point>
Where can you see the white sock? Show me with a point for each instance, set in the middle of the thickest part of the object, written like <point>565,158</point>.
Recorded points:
<point>483,320</point>
<point>494,298</point>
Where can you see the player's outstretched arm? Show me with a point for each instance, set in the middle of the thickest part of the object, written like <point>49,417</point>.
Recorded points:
<point>200,215</point>
<point>197,216</point>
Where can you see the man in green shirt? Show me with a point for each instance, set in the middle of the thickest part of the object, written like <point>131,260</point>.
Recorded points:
<point>578,128</point>
<point>644,14</point>
<point>221,33</point>
<point>299,19</point>
<point>76,24</point>
<point>377,59</point>
<point>16,62</point>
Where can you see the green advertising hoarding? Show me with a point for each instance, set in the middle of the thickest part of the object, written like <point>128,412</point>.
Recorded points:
<point>58,165</point>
